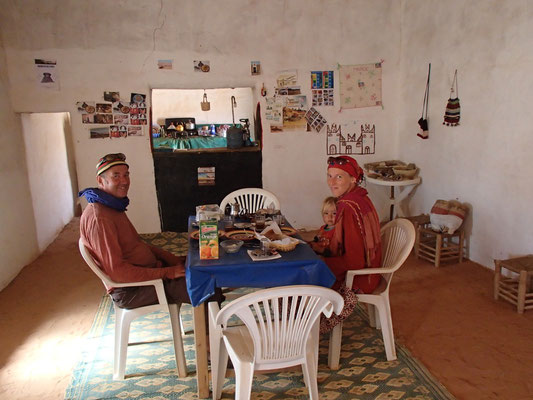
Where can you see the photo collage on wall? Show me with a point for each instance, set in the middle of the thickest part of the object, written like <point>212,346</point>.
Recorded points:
<point>123,118</point>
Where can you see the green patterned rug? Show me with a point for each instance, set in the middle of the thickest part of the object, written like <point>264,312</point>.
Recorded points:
<point>151,373</point>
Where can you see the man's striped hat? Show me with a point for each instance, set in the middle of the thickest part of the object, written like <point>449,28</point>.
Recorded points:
<point>110,160</point>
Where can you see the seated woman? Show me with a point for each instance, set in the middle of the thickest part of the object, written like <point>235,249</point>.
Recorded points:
<point>356,241</point>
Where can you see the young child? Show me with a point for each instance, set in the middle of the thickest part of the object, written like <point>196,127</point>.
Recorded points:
<point>321,241</point>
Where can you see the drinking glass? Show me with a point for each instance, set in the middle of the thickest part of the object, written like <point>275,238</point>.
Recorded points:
<point>260,221</point>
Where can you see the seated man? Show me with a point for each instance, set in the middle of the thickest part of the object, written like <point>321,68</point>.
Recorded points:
<point>115,244</point>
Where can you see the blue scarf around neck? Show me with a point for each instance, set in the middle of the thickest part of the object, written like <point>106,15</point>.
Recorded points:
<point>95,195</point>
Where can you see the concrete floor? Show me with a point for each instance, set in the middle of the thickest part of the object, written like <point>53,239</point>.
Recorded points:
<point>477,347</point>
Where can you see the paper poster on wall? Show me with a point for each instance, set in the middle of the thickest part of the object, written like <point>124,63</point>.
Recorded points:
<point>206,176</point>
<point>201,66</point>
<point>47,74</point>
<point>360,85</point>
<point>351,138</point>
<point>135,130</point>
<point>287,78</point>
<point>294,111</point>
<point>274,110</point>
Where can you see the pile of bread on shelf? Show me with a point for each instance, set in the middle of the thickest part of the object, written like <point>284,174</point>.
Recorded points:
<point>391,170</point>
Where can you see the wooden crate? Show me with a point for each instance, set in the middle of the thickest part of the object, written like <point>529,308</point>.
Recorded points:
<point>437,247</point>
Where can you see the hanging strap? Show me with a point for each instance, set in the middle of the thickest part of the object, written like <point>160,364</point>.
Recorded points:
<point>426,96</point>
<point>454,84</point>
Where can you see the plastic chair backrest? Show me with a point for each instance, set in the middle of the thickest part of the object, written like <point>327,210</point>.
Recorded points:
<point>397,240</point>
<point>91,262</point>
<point>251,199</point>
<point>280,319</point>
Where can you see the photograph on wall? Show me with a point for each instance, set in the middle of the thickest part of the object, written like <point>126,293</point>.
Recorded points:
<point>255,67</point>
<point>322,88</point>
<point>135,130</point>
<point>86,107</point>
<point>288,91</point>
<point>360,85</point>
<point>103,118</point>
<point>104,108</point>
<point>121,119</point>
<point>164,64</point>
<point>201,66</point>
<point>351,138</point>
<point>121,107</point>
<point>87,118</point>
<point>138,98</point>
<point>47,74</point>
<point>112,97</point>
<point>206,176</point>
<point>315,120</point>
<point>99,133</point>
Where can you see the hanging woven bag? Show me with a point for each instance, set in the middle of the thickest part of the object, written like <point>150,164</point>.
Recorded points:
<point>453,108</point>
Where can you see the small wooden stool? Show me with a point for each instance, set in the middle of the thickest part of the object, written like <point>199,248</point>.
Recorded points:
<point>437,247</point>
<point>517,292</point>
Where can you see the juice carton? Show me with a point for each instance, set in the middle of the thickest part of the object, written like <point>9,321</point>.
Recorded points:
<point>209,239</point>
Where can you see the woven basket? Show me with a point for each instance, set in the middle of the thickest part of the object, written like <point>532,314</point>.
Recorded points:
<point>284,247</point>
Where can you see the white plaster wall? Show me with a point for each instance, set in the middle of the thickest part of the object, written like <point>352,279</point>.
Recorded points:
<point>102,46</point>
<point>484,161</point>
<point>48,172</point>
<point>18,238</point>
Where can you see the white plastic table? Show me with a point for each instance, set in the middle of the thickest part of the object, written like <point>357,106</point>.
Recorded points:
<point>405,188</point>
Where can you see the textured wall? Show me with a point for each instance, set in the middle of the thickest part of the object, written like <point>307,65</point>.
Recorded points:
<point>484,161</point>
<point>102,45</point>
<point>18,238</point>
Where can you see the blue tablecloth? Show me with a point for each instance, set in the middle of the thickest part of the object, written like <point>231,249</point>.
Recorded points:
<point>300,266</point>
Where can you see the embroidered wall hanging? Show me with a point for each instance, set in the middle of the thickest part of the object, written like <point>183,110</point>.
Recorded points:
<point>360,85</point>
<point>452,114</point>
<point>363,142</point>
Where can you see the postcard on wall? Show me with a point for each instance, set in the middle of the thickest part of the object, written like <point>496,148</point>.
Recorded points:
<point>274,110</point>
<point>360,85</point>
<point>287,78</point>
<point>104,108</point>
<point>255,67</point>
<point>294,113</point>
<point>288,91</point>
<point>47,74</point>
<point>206,176</point>
<point>164,64</point>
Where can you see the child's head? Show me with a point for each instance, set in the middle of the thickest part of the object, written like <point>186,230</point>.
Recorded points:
<point>329,210</point>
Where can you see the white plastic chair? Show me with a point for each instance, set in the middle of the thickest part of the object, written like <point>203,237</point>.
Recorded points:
<point>251,199</point>
<point>124,317</point>
<point>397,240</point>
<point>285,333</point>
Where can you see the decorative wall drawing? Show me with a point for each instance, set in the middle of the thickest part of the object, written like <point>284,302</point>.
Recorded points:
<point>363,142</point>
<point>360,85</point>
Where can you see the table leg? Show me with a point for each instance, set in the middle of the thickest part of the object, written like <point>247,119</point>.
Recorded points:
<point>200,342</point>
<point>522,291</point>
<point>392,203</point>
